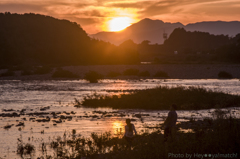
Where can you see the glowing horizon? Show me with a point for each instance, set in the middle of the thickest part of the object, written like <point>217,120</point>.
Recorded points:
<point>94,15</point>
<point>119,23</point>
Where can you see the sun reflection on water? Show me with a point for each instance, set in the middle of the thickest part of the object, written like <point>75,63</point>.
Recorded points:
<point>118,127</point>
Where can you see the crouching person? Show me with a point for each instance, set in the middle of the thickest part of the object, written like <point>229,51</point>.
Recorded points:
<point>170,122</point>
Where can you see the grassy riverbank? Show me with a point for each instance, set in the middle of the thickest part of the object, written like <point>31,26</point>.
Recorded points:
<point>160,98</point>
<point>218,136</point>
<point>171,71</point>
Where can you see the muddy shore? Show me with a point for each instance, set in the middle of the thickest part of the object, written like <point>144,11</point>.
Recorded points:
<point>174,71</point>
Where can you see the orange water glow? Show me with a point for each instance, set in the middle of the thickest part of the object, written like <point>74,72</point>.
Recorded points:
<point>118,127</point>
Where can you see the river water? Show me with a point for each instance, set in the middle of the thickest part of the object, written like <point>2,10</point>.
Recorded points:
<point>58,96</point>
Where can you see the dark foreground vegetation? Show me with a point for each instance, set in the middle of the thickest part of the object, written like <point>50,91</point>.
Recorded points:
<point>187,98</point>
<point>215,137</point>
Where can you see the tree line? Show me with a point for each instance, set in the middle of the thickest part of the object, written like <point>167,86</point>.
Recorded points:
<point>193,45</point>
<point>34,39</point>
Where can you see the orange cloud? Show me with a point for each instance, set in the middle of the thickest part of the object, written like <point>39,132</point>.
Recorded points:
<point>92,15</point>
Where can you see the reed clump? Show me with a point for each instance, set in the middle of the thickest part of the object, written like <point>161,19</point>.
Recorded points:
<point>220,137</point>
<point>187,98</point>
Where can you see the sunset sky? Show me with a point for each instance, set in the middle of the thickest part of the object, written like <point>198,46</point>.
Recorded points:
<point>108,15</point>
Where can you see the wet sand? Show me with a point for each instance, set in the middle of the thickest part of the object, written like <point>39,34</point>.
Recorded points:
<point>174,71</point>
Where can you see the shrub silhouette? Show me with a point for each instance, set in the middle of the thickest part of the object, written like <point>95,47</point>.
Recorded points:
<point>224,74</point>
<point>8,73</point>
<point>113,74</point>
<point>93,76</point>
<point>26,72</point>
<point>161,74</point>
<point>60,73</point>
<point>144,74</point>
<point>131,71</point>
<point>42,70</point>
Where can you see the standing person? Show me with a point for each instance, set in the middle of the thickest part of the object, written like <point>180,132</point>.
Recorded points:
<point>129,128</point>
<point>170,122</point>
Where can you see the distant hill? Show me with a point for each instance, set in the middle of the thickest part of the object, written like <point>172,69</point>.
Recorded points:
<point>37,40</point>
<point>152,30</point>
<point>217,28</point>
<point>192,47</point>
<point>192,42</point>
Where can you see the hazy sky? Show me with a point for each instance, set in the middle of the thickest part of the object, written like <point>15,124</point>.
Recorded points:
<point>94,15</point>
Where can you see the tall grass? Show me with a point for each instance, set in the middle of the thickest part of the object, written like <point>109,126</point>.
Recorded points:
<point>221,137</point>
<point>187,98</point>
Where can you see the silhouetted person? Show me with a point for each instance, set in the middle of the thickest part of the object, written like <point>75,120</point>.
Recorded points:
<point>170,122</point>
<point>129,129</point>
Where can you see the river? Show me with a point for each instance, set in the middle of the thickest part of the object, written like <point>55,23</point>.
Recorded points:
<point>58,96</point>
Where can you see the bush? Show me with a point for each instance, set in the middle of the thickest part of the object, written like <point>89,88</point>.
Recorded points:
<point>224,74</point>
<point>24,149</point>
<point>93,76</point>
<point>113,74</point>
<point>144,74</point>
<point>26,72</point>
<point>131,72</point>
<point>17,68</point>
<point>161,74</point>
<point>43,70</point>
<point>36,70</point>
<point>60,73</point>
<point>8,73</point>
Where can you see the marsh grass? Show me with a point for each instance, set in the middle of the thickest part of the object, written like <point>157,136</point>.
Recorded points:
<point>221,136</point>
<point>160,98</point>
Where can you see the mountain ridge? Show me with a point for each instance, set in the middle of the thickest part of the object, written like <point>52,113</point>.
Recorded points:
<point>152,30</point>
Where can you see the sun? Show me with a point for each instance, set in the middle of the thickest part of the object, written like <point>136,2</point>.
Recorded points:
<point>119,23</point>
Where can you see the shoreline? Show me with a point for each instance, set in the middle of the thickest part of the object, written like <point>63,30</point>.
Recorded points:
<point>174,71</point>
